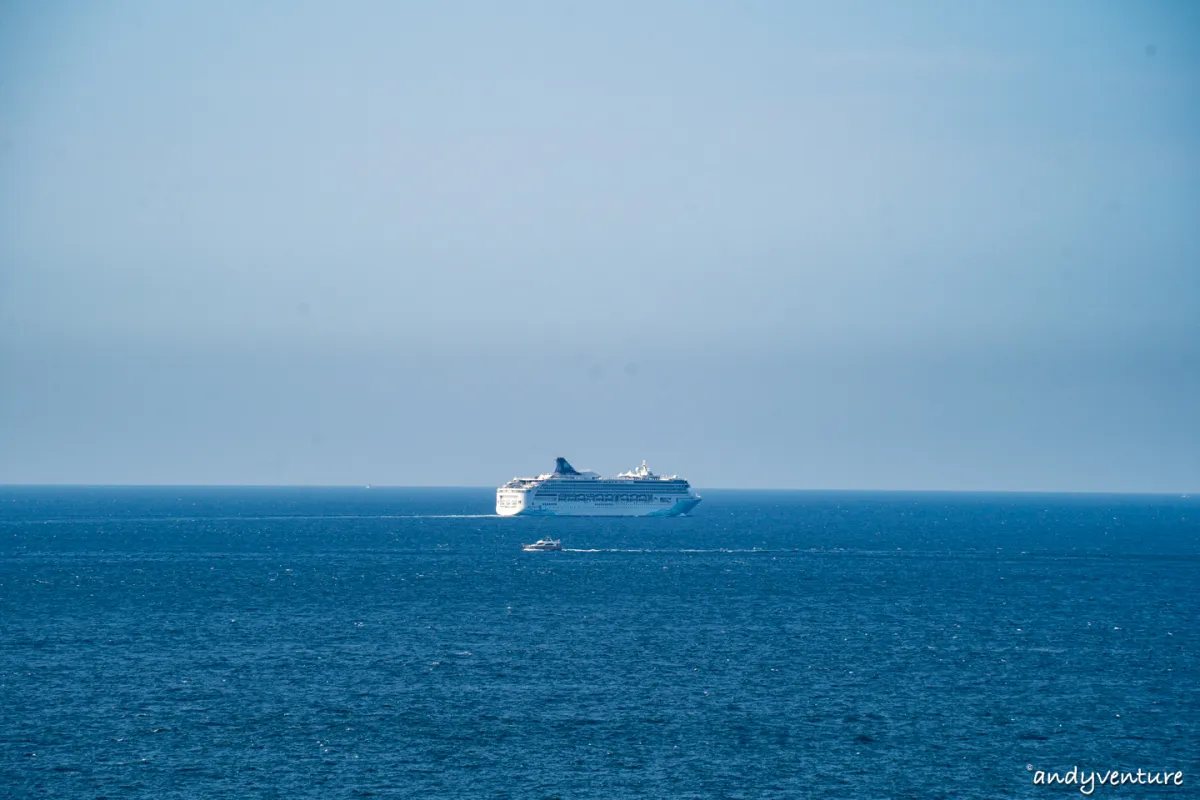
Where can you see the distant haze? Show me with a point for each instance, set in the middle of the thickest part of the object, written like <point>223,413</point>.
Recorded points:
<point>764,244</point>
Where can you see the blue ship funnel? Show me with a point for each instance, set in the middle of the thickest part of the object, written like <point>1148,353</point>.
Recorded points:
<point>561,467</point>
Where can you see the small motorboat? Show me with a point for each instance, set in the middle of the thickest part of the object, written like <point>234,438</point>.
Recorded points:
<point>542,545</point>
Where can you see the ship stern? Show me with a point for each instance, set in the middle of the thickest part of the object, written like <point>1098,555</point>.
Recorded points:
<point>510,502</point>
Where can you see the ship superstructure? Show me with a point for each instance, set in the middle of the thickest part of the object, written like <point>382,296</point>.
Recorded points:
<point>570,492</point>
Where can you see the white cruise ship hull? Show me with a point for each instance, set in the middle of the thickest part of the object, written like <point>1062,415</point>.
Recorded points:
<point>522,507</point>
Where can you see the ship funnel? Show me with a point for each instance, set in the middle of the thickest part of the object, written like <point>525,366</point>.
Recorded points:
<point>561,467</point>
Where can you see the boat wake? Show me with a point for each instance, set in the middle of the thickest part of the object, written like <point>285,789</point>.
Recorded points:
<point>447,516</point>
<point>645,550</point>
<point>246,518</point>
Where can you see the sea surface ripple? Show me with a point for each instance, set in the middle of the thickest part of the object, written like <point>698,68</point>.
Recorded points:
<point>232,643</point>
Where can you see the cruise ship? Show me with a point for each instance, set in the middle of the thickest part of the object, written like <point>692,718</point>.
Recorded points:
<point>569,492</point>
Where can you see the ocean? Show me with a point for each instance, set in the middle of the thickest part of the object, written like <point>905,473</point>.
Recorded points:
<point>334,642</point>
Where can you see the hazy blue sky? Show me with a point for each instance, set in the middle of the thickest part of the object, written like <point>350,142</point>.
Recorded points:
<point>840,245</point>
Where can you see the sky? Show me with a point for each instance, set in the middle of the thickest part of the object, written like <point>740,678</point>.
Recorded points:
<point>944,246</point>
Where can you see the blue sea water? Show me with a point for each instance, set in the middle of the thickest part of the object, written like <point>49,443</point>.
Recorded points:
<point>291,643</point>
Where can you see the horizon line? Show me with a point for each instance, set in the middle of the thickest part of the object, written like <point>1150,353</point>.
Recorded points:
<point>373,486</point>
